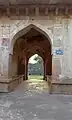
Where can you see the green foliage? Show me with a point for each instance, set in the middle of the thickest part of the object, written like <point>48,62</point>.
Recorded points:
<point>37,68</point>
<point>38,59</point>
<point>38,77</point>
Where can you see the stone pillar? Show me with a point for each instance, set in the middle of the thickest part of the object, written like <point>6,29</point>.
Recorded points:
<point>48,65</point>
<point>4,49</point>
<point>13,65</point>
<point>10,65</point>
<point>66,57</point>
<point>44,70</point>
<point>37,11</point>
<point>69,47</point>
<point>26,68</point>
<point>4,62</point>
<point>46,11</point>
<point>27,11</point>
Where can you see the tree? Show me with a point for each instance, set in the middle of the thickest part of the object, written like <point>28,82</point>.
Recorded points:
<point>38,59</point>
<point>36,68</point>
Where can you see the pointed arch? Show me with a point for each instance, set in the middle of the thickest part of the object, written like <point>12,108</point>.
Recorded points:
<point>43,46</point>
<point>25,29</point>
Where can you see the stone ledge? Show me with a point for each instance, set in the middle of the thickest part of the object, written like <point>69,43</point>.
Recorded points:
<point>7,85</point>
<point>59,86</point>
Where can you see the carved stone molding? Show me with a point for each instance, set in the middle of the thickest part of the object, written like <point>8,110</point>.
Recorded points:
<point>26,10</point>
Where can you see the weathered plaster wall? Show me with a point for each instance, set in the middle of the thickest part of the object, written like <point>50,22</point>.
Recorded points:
<point>12,66</point>
<point>59,30</point>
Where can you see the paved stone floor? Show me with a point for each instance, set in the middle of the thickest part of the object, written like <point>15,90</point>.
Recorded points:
<point>31,101</point>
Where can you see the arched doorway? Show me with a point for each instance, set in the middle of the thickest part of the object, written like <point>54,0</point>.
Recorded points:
<point>35,67</point>
<point>31,42</point>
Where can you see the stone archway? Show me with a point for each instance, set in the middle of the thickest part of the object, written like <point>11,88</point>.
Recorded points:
<point>32,40</point>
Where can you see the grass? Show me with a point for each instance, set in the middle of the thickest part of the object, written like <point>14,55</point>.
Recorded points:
<point>39,77</point>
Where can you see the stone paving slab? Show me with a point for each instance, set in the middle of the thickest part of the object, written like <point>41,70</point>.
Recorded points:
<point>33,104</point>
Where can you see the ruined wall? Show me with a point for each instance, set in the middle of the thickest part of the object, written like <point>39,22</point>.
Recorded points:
<point>59,30</point>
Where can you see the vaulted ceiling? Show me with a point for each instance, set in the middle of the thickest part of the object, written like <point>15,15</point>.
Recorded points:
<point>33,42</point>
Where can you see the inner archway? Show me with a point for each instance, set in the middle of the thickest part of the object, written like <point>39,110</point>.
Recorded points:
<point>31,42</point>
<point>36,67</point>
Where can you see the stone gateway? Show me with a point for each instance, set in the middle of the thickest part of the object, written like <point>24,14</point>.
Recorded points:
<point>30,27</point>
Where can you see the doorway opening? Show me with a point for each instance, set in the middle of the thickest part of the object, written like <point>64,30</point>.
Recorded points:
<point>31,41</point>
<point>35,67</point>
